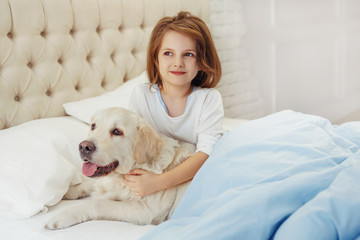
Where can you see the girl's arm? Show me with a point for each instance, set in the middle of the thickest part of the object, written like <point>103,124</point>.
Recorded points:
<point>143,182</point>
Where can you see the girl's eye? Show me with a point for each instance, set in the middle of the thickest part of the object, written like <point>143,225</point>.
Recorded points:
<point>117,132</point>
<point>189,54</point>
<point>93,126</point>
<point>168,53</point>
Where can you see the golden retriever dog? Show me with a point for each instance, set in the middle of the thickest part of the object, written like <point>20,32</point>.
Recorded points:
<point>119,141</point>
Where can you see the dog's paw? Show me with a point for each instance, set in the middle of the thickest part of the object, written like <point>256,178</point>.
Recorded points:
<point>58,223</point>
<point>64,220</point>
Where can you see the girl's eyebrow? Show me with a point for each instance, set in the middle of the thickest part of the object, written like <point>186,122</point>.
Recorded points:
<point>185,50</point>
<point>167,49</point>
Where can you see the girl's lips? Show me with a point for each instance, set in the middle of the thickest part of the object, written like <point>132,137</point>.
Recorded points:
<point>177,73</point>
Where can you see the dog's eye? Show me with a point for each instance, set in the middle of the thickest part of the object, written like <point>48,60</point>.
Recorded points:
<point>117,132</point>
<point>93,126</point>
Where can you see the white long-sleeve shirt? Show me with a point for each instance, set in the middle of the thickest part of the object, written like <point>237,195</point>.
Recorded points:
<point>200,124</point>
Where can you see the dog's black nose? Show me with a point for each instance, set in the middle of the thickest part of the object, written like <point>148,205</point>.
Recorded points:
<point>86,148</point>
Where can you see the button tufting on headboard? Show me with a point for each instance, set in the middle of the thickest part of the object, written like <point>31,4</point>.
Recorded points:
<point>16,98</point>
<point>103,83</point>
<point>98,30</point>
<point>52,52</point>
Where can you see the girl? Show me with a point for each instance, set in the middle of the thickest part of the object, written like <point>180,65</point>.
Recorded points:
<point>183,68</point>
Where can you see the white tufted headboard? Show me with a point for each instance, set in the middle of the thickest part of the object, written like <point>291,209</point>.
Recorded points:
<point>52,51</point>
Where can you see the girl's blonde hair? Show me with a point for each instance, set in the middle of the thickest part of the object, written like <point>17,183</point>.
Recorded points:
<point>206,56</point>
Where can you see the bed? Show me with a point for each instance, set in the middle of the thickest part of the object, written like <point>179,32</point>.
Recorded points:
<point>283,176</point>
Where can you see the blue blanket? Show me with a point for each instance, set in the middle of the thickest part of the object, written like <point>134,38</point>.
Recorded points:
<point>285,176</point>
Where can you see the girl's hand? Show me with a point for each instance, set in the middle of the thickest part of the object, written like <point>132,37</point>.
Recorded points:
<point>142,182</point>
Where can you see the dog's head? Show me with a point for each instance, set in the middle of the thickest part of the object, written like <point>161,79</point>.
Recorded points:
<point>118,139</point>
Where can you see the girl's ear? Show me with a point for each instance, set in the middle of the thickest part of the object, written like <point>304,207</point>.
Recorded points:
<point>147,143</point>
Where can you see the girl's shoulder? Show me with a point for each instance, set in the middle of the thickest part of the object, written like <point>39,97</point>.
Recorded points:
<point>143,85</point>
<point>206,92</point>
<point>144,88</point>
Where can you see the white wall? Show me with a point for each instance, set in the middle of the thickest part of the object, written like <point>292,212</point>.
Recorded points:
<point>305,55</point>
<point>240,92</point>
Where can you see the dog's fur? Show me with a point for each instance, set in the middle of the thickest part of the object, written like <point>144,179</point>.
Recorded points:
<point>122,140</point>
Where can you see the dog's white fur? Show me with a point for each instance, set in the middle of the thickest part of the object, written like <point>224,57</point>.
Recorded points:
<point>140,146</point>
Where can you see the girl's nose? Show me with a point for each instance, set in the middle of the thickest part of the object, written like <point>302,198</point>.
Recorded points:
<point>178,62</point>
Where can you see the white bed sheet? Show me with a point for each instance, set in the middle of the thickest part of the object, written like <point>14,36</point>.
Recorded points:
<point>33,228</point>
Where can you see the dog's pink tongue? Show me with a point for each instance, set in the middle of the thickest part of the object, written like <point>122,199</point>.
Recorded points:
<point>89,169</point>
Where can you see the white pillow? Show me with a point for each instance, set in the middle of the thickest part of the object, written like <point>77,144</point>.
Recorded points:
<point>39,160</point>
<point>120,97</point>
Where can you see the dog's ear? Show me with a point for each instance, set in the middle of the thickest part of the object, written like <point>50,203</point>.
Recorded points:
<point>147,143</point>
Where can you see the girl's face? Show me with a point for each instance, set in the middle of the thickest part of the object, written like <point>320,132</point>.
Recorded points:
<point>177,60</point>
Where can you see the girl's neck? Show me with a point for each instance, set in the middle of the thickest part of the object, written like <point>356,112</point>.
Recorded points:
<point>175,100</point>
<point>176,92</point>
